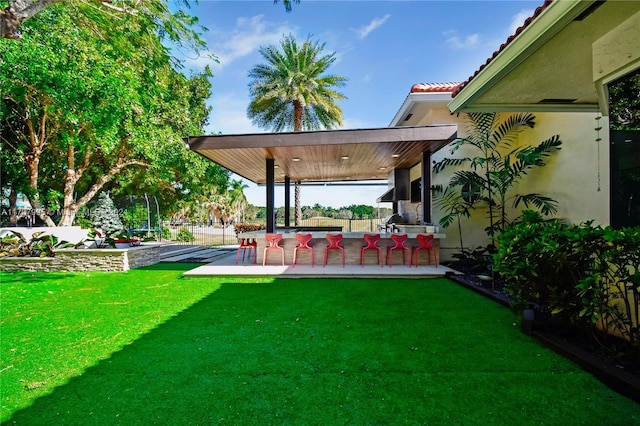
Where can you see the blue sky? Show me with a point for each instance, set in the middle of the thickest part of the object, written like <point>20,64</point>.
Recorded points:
<point>382,48</point>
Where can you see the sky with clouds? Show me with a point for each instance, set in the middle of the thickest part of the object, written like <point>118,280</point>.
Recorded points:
<point>382,48</point>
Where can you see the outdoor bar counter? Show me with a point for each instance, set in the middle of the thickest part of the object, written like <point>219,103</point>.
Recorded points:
<point>352,243</point>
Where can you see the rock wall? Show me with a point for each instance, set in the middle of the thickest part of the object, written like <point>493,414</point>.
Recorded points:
<point>70,260</point>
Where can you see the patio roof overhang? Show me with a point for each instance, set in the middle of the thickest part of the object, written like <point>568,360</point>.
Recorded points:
<point>323,156</point>
<point>560,60</point>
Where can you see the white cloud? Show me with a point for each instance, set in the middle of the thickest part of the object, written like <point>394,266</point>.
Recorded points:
<point>519,19</point>
<point>458,42</point>
<point>373,25</point>
<point>246,37</point>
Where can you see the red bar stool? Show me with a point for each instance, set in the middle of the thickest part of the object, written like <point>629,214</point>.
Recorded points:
<point>247,244</point>
<point>426,243</point>
<point>273,241</point>
<point>303,240</point>
<point>334,244</point>
<point>372,244</point>
<point>399,240</point>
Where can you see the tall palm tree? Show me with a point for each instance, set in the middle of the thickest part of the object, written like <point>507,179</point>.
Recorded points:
<point>292,92</point>
<point>238,199</point>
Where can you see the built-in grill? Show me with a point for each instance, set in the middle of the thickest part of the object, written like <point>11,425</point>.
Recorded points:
<point>387,223</point>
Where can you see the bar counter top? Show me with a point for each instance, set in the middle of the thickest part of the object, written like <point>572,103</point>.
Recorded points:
<point>352,243</point>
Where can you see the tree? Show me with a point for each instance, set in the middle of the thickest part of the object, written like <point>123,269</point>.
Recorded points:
<point>292,92</point>
<point>238,199</point>
<point>105,215</point>
<point>489,176</point>
<point>175,25</point>
<point>80,111</point>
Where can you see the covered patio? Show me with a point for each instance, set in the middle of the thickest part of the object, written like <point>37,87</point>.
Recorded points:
<point>324,157</point>
<point>346,156</point>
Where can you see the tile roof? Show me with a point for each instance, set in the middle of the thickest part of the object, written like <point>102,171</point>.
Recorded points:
<point>433,87</point>
<point>527,22</point>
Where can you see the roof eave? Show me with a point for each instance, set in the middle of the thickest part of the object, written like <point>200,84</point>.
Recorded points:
<point>553,19</point>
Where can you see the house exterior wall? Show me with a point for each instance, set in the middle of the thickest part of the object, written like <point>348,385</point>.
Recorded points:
<point>577,177</point>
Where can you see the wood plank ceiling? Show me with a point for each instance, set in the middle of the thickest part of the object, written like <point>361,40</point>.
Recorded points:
<point>323,156</point>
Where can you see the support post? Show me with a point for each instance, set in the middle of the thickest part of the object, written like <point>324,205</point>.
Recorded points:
<point>271,216</point>
<point>287,201</point>
<point>425,183</point>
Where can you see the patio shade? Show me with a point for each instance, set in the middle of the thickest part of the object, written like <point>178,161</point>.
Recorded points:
<point>323,156</point>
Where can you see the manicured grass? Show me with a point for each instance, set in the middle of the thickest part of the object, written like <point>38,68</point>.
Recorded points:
<point>148,346</point>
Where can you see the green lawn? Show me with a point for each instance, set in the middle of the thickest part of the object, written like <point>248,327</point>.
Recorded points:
<point>150,347</point>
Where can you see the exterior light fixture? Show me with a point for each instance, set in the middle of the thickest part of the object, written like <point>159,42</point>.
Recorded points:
<point>295,159</point>
<point>395,155</point>
<point>344,157</point>
<point>381,168</point>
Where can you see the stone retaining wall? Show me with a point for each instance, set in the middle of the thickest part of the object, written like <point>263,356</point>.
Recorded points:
<point>110,260</point>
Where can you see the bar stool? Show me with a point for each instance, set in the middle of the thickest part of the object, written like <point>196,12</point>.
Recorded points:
<point>247,244</point>
<point>303,240</point>
<point>334,244</point>
<point>399,240</point>
<point>426,243</point>
<point>273,241</point>
<point>372,244</point>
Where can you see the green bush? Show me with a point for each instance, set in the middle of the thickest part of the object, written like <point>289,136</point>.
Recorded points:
<point>184,235</point>
<point>543,261</point>
<point>611,295</point>
<point>583,275</point>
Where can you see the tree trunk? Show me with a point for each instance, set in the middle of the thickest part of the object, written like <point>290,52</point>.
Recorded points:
<point>297,126</point>
<point>13,209</point>
<point>17,12</point>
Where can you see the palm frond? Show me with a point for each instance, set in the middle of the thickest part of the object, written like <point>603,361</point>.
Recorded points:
<point>546,205</point>
<point>448,162</point>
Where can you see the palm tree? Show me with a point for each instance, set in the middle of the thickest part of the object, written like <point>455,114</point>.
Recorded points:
<point>291,91</point>
<point>238,199</point>
<point>489,176</point>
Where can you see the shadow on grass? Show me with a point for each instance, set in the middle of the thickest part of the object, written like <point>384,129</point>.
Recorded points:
<point>322,351</point>
<point>21,277</point>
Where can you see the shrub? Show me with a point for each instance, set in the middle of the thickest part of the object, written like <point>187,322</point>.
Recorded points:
<point>583,275</point>
<point>184,235</point>
<point>543,261</point>
<point>611,295</point>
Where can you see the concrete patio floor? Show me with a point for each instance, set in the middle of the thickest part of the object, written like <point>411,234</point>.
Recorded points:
<point>221,261</point>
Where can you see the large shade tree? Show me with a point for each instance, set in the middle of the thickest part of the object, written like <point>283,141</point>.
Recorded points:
<point>83,112</point>
<point>172,22</point>
<point>292,91</point>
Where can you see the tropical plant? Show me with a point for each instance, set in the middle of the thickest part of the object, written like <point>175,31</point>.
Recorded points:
<point>41,244</point>
<point>292,92</point>
<point>489,176</point>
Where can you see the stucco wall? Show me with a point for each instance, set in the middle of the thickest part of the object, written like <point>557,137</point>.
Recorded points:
<point>577,177</point>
